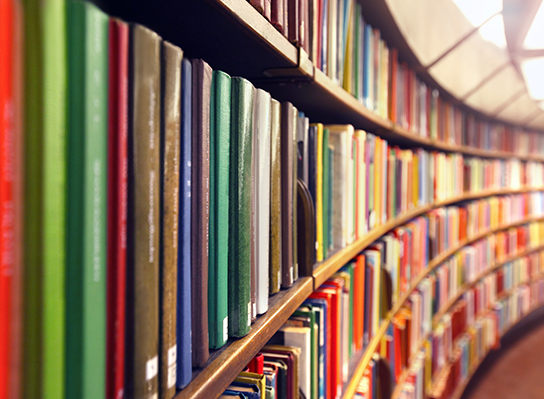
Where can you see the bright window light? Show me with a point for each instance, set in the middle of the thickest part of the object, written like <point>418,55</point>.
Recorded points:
<point>533,71</point>
<point>493,31</point>
<point>477,12</point>
<point>535,37</point>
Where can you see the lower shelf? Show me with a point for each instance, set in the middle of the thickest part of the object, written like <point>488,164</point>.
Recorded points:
<point>226,363</point>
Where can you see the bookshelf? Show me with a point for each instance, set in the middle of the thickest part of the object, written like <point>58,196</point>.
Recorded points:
<point>232,36</point>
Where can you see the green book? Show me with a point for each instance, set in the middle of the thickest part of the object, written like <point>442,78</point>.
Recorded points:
<point>218,259</point>
<point>240,207</point>
<point>326,189</point>
<point>307,311</point>
<point>86,201</point>
<point>45,178</point>
<point>351,270</point>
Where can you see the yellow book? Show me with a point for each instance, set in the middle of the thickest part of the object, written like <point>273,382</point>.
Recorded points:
<point>415,179</point>
<point>253,378</point>
<point>348,53</point>
<point>319,194</point>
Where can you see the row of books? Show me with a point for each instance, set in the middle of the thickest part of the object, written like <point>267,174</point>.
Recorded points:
<point>160,208</point>
<point>341,317</point>
<point>420,359</point>
<point>354,55</point>
<point>373,181</point>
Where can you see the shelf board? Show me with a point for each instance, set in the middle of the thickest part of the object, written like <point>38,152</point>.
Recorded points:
<point>324,270</point>
<point>225,364</point>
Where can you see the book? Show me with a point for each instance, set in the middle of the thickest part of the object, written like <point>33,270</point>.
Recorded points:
<point>200,207</point>
<point>219,209</point>
<point>288,193</point>
<point>86,201</point>
<point>240,310</point>
<point>11,206</point>
<point>261,153</point>
<point>184,319</point>
<point>143,214</point>
<point>117,206</point>
<point>275,259</point>
<point>45,185</point>
<point>170,166</point>
<point>319,195</point>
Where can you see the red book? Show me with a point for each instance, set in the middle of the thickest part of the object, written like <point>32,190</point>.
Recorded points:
<point>117,206</point>
<point>327,296</point>
<point>256,364</point>
<point>277,14</point>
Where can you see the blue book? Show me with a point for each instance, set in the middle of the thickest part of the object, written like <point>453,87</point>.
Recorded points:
<point>184,346</point>
<point>367,69</point>
<point>325,37</point>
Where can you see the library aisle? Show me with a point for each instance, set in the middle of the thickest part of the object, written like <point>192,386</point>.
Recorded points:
<point>515,371</point>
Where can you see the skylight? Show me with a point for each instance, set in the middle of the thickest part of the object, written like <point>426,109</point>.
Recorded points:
<point>532,71</point>
<point>493,31</point>
<point>477,12</point>
<point>535,37</point>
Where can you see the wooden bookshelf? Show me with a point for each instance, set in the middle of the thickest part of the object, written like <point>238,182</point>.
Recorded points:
<point>328,267</point>
<point>226,363</point>
<point>357,374</point>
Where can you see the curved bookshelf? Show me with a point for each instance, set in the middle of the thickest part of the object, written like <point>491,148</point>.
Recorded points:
<point>447,306</point>
<point>349,390</point>
<point>328,267</point>
<point>225,363</point>
<point>259,52</point>
<point>462,386</point>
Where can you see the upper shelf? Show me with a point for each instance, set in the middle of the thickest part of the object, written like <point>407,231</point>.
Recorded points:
<point>234,37</point>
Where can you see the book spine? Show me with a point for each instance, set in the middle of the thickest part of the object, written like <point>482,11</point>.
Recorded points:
<point>170,156</point>
<point>117,207</point>
<point>184,344</point>
<point>143,226</point>
<point>275,198</point>
<point>202,77</point>
<point>219,209</point>
<point>288,141</point>
<point>240,208</point>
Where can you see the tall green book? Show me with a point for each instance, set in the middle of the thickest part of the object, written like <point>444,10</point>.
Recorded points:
<point>86,201</point>
<point>44,192</point>
<point>240,207</point>
<point>218,259</point>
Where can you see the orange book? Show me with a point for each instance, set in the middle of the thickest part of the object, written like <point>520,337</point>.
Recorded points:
<point>393,67</point>
<point>358,302</point>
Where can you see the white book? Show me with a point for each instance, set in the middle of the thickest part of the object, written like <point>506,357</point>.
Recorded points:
<point>261,132</point>
<point>299,337</point>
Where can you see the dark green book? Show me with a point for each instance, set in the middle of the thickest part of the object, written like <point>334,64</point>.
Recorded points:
<point>326,191</point>
<point>218,258</point>
<point>240,207</point>
<point>86,201</point>
<point>45,199</point>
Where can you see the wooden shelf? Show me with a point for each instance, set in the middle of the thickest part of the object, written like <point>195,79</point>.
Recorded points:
<point>462,386</point>
<point>225,364</point>
<point>448,305</point>
<point>324,270</point>
<point>233,37</point>
<point>375,341</point>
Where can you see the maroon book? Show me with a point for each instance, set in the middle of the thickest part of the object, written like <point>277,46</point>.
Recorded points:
<point>117,207</point>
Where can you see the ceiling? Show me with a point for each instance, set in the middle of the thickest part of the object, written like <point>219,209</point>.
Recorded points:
<point>456,54</point>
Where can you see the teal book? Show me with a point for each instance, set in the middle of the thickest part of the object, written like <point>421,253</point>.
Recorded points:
<point>218,258</point>
<point>326,191</point>
<point>241,155</point>
<point>44,192</point>
<point>86,201</point>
